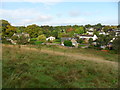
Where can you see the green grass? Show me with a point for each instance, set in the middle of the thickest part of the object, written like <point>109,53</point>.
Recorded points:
<point>106,55</point>
<point>33,69</point>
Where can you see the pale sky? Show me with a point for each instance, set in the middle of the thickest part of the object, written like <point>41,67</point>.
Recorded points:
<point>54,13</point>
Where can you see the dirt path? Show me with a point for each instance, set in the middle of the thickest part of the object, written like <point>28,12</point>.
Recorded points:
<point>71,55</point>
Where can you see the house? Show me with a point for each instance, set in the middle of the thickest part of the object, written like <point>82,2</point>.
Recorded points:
<point>12,41</point>
<point>112,40</point>
<point>90,32</point>
<point>24,34</point>
<point>74,42</point>
<point>110,46</point>
<point>103,47</point>
<point>51,38</point>
<point>117,33</point>
<point>102,33</point>
<point>20,34</point>
<point>94,43</point>
<point>91,29</point>
<point>87,37</point>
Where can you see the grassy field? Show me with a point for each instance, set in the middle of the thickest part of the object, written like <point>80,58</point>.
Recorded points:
<point>92,52</point>
<point>24,68</point>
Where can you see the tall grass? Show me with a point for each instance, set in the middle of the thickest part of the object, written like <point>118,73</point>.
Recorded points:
<point>33,69</point>
<point>91,52</point>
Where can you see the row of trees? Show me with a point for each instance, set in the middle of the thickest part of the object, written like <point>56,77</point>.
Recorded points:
<point>40,33</point>
<point>58,31</point>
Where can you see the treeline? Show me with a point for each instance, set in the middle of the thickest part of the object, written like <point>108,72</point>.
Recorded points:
<point>42,32</point>
<point>57,31</point>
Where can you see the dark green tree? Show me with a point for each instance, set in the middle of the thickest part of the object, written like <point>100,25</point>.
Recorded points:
<point>90,41</point>
<point>80,40</point>
<point>67,43</point>
<point>116,44</point>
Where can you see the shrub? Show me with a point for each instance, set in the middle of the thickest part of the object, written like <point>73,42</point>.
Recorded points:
<point>57,40</point>
<point>80,40</point>
<point>116,44</point>
<point>14,37</point>
<point>38,42</point>
<point>91,46</point>
<point>41,38</point>
<point>22,40</point>
<point>33,40</point>
<point>67,43</point>
<point>6,41</point>
<point>90,41</point>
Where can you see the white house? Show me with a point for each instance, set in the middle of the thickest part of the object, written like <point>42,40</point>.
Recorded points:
<point>13,42</point>
<point>91,29</point>
<point>74,42</point>
<point>103,33</point>
<point>112,40</point>
<point>117,33</point>
<point>90,32</point>
<point>87,37</point>
<point>51,38</point>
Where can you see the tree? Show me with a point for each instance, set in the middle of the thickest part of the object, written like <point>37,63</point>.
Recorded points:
<point>10,30</point>
<point>4,23</point>
<point>67,43</point>
<point>41,38</point>
<point>22,40</point>
<point>33,30</point>
<point>96,33</point>
<point>88,26</point>
<point>98,26</point>
<point>112,33</point>
<point>90,41</point>
<point>69,30</point>
<point>80,30</point>
<point>14,37</point>
<point>33,40</point>
<point>103,39</point>
<point>116,44</point>
<point>106,28</point>
<point>118,26</point>
<point>80,40</point>
<point>54,34</point>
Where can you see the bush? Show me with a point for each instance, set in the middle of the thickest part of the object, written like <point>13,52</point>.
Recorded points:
<point>91,46</point>
<point>79,46</point>
<point>6,41</point>
<point>22,40</point>
<point>14,37</point>
<point>67,43</point>
<point>80,40</point>
<point>41,38</point>
<point>38,42</point>
<point>57,40</point>
<point>33,40</point>
<point>116,44</point>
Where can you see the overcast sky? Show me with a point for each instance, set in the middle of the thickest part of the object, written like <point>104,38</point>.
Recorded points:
<point>59,13</point>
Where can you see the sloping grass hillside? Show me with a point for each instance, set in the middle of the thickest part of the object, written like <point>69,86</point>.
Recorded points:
<point>34,69</point>
<point>110,56</point>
